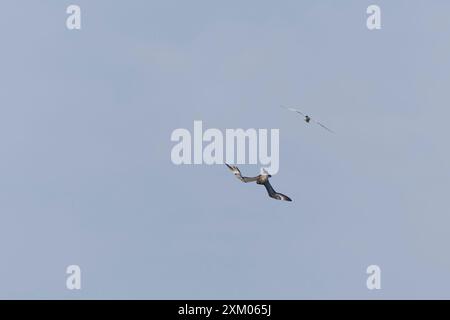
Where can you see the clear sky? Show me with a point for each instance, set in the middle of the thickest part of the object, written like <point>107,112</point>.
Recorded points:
<point>85,170</point>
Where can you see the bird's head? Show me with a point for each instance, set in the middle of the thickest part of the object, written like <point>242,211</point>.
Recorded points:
<point>265,172</point>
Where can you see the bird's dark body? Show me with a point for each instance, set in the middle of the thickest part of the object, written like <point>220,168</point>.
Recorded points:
<point>273,194</point>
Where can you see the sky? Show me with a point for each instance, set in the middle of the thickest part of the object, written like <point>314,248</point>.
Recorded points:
<point>86,176</point>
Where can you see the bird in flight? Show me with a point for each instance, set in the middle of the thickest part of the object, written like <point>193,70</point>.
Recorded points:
<point>308,119</point>
<point>260,179</point>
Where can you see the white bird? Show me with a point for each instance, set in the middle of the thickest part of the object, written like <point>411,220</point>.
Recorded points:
<point>308,119</point>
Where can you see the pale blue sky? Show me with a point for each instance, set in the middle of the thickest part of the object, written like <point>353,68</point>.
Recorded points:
<point>85,170</point>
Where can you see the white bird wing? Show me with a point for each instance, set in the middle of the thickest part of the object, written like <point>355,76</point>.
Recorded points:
<point>323,126</point>
<point>294,110</point>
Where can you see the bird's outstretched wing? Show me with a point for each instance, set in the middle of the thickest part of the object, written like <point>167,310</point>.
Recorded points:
<point>273,194</point>
<point>294,110</point>
<point>323,126</point>
<point>238,174</point>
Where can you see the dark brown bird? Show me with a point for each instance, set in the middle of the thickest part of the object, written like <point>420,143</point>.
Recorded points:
<point>260,179</point>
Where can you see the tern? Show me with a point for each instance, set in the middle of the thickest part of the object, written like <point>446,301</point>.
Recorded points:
<point>260,179</point>
<point>307,118</point>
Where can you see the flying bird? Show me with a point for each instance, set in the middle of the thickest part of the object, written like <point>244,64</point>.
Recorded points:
<point>260,179</point>
<point>308,119</point>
